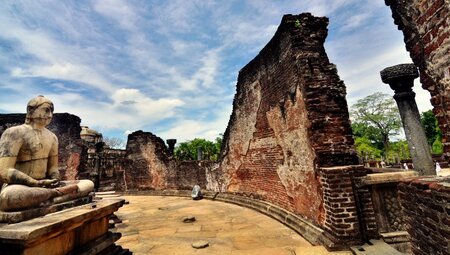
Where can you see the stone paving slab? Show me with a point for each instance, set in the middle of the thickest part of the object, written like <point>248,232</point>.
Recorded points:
<point>154,225</point>
<point>375,247</point>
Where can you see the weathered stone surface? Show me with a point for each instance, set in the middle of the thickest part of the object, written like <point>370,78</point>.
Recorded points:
<point>29,163</point>
<point>196,193</point>
<point>401,79</point>
<point>67,128</point>
<point>289,116</point>
<point>59,233</point>
<point>383,178</point>
<point>15,217</point>
<point>401,71</point>
<point>188,219</point>
<point>200,244</point>
<point>425,27</point>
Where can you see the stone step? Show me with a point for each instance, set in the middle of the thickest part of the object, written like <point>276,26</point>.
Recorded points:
<point>108,196</point>
<point>104,192</point>
<point>375,247</point>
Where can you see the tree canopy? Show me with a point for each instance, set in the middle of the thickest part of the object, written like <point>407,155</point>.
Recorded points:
<point>376,117</point>
<point>189,150</point>
<point>432,131</point>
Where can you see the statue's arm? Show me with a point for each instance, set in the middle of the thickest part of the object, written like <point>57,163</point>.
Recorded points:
<point>52,167</point>
<point>10,144</point>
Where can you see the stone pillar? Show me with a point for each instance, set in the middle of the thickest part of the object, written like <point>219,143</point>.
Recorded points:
<point>199,153</point>
<point>171,143</point>
<point>401,79</point>
<point>96,174</point>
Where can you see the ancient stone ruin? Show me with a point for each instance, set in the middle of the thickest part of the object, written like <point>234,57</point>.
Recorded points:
<point>40,213</point>
<point>288,149</point>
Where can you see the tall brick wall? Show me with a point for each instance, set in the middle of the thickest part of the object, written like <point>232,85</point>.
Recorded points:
<point>289,117</point>
<point>426,207</point>
<point>67,128</point>
<point>426,30</point>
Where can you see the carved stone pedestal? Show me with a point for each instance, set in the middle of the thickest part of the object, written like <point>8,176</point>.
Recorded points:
<point>78,230</point>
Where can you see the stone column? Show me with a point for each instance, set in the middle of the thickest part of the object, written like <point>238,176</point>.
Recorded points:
<point>171,143</point>
<point>401,79</point>
<point>199,153</point>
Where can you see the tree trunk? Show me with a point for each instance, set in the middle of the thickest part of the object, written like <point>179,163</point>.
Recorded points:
<point>385,143</point>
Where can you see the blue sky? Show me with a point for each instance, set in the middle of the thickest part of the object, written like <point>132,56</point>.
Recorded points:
<point>170,67</point>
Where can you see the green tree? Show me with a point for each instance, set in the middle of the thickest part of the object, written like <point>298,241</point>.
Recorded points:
<point>366,149</point>
<point>432,131</point>
<point>378,114</point>
<point>370,134</point>
<point>189,150</point>
<point>398,150</point>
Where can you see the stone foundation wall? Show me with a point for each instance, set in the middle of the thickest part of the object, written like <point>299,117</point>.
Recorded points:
<point>426,207</point>
<point>426,29</point>
<point>289,118</point>
<point>67,128</point>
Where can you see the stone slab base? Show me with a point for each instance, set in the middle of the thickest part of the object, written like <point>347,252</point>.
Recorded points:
<point>62,232</point>
<point>399,240</point>
<point>15,217</point>
<point>312,233</point>
<point>375,247</point>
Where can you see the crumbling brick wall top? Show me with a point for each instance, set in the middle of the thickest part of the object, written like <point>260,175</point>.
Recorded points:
<point>299,42</point>
<point>289,117</point>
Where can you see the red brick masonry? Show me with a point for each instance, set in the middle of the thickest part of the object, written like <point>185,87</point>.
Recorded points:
<point>426,207</point>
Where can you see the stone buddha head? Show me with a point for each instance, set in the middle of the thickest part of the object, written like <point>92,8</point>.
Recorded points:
<point>39,111</point>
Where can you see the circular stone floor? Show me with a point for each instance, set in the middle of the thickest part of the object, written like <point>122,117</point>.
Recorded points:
<point>154,225</point>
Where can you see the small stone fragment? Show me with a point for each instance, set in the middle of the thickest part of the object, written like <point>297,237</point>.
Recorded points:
<point>189,219</point>
<point>196,193</point>
<point>200,244</point>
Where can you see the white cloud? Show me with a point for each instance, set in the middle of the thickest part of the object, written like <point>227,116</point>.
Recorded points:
<point>51,58</point>
<point>188,129</point>
<point>66,71</point>
<point>325,7</point>
<point>119,11</point>
<point>141,109</point>
<point>356,21</point>
<point>128,65</point>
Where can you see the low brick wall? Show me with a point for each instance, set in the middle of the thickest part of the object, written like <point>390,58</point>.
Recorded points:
<point>426,206</point>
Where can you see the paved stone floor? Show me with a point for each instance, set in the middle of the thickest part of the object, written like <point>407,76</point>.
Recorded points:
<point>153,225</point>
